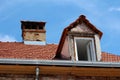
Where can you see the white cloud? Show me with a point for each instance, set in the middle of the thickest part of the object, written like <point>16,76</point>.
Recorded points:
<point>7,38</point>
<point>114,9</point>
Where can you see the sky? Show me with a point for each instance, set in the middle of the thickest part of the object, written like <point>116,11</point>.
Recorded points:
<point>58,14</point>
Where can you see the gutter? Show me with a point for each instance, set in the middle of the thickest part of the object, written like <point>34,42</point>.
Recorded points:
<point>59,63</point>
<point>37,73</point>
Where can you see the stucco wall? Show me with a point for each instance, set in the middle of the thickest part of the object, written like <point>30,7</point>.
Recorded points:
<point>98,48</point>
<point>82,28</point>
<point>64,52</point>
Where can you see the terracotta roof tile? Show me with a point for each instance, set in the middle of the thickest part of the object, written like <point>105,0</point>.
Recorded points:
<point>19,50</point>
<point>108,57</point>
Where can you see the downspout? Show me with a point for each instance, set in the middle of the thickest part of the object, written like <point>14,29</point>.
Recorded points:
<point>37,73</point>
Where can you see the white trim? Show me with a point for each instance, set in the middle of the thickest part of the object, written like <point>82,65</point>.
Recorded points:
<point>92,53</point>
<point>93,50</point>
<point>34,42</point>
<point>88,52</point>
<point>70,49</point>
<point>76,54</point>
<point>98,48</point>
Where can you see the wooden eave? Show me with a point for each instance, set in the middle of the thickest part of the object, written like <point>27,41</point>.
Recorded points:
<point>81,19</point>
<point>60,70</point>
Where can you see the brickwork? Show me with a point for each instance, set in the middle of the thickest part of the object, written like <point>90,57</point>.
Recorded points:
<point>52,77</point>
<point>33,36</point>
<point>16,77</point>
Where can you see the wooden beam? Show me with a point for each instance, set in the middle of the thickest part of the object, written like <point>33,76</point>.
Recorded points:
<point>16,69</point>
<point>81,71</point>
<point>60,70</point>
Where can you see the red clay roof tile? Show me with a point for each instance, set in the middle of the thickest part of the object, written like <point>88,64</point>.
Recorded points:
<point>18,50</point>
<point>107,57</point>
<point>21,51</point>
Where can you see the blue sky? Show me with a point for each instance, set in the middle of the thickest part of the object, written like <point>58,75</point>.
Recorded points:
<point>104,14</point>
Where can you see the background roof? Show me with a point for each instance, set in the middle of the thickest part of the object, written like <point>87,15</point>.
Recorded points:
<point>16,50</point>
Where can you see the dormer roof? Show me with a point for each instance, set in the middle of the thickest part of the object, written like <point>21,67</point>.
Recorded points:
<point>80,20</point>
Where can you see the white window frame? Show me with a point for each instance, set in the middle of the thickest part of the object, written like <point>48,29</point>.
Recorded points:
<point>91,57</point>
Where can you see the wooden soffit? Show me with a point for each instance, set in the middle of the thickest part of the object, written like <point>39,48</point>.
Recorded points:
<point>60,70</point>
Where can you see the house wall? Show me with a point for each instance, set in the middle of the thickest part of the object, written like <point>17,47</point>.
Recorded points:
<point>98,48</point>
<point>64,52</point>
<point>16,77</point>
<point>53,77</point>
<point>82,28</point>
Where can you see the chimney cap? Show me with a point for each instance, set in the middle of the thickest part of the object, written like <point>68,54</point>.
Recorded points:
<point>32,22</point>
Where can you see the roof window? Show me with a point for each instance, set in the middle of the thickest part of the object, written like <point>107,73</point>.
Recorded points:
<point>84,49</point>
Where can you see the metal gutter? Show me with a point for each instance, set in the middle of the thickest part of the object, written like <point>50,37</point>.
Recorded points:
<point>37,73</point>
<point>59,63</point>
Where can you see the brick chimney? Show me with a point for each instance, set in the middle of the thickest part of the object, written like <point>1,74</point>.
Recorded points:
<point>33,33</point>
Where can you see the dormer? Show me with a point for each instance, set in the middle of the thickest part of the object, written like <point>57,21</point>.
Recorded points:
<point>33,33</point>
<point>80,41</point>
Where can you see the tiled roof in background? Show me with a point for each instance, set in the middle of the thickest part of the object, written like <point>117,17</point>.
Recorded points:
<point>18,50</point>
<point>108,57</point>
<point>21,51</point>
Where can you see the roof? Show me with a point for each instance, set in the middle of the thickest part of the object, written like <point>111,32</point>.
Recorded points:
<point>81,19</point>
<point>18,50</point>
<point>108,57</point>
<point>21,51</point>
